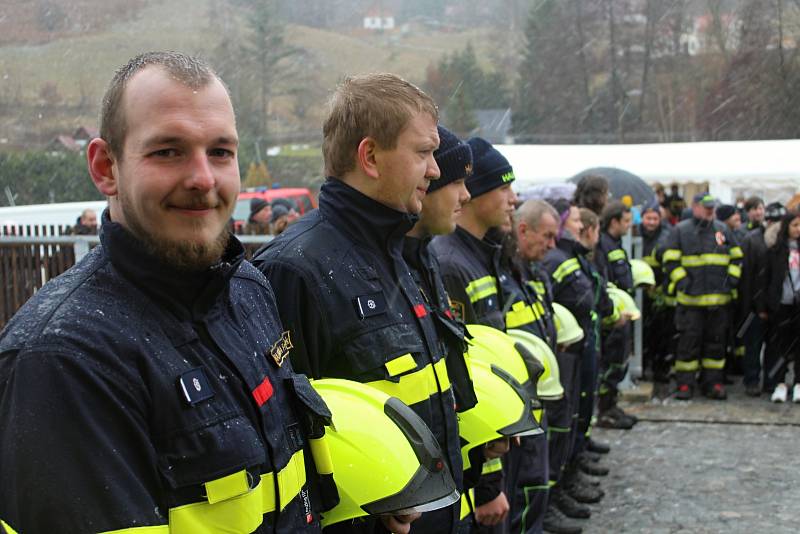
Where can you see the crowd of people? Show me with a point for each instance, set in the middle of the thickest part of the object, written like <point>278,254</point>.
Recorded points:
<point>425,352</point>
<point>726,300</point>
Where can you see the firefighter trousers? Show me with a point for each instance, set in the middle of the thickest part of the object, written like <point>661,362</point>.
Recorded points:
<point>527,476</point>
<point>562,415</point>
<point>613,364</point>
<point>701,346</point>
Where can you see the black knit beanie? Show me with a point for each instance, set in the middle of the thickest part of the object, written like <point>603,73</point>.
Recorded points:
<point>454,158</point>
<point>724,211</point>
<point>490,169</point>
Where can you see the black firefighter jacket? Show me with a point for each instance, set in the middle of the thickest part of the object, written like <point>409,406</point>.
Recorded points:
<point>354,309</point>
<point>577,285</point>
<point>702,263</point>
<point>128,390</point>
<point>612,262</point>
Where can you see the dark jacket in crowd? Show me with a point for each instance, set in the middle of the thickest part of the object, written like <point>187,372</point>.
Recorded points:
<point>125,386</point>
<point>754,272</point>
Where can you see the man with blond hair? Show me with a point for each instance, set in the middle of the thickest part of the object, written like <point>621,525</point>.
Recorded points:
<point>343,286</point>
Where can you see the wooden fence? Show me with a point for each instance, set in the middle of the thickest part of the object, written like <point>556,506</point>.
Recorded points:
<point>32,255</point>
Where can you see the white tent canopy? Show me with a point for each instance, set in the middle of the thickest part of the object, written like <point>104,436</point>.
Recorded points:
<point>770,169</point>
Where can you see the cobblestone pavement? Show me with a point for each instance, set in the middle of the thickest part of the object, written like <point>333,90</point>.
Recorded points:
<point>734,469</point>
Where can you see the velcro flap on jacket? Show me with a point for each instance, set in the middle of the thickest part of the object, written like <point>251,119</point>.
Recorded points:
<point>227,487</point>
<point>400,365</point>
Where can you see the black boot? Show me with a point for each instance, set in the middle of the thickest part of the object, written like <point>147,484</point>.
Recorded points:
<point>586,494</point>
<point>597,446</point>
<point>583,492</point>
<point>584,479</point>
<point>569,506</point>
<point>591,456</point>
<point>614,417</point>
<point>557,523</point>
<point>591,468</point>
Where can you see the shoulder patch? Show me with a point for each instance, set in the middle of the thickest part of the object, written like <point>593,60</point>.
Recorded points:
<point>457,309</point>
<point>280,349</point>
<point>720,237</point>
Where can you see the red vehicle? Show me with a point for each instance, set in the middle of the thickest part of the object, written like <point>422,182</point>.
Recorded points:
<point>301,197</point>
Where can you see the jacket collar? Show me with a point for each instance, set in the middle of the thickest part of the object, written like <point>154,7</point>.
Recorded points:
<point>569,244</point>
<point>489,252</point>
<point>416,252</point>
<point>366,220</point>
<point>188,294</point>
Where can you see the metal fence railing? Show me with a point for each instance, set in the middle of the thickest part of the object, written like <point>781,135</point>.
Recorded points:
<point>30,256</point>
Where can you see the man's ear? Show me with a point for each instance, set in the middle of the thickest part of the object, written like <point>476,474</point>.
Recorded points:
<point>366,155</point>
<point>101,166</point>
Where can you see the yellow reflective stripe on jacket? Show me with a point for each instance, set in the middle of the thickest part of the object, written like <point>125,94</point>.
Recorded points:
<point>714,299</point>
<point>672,254</point>
<point>240,513</point>
<point>736,253</point>
<point>568,267</point>
<point>519,314</point>
<point>467,498</point>
<point>492,466</point>
<point>616,255</point>
<point>481,288</point>
<point>538,287</point>
<point>734,270</point>
<point>8,528</point>
<point>701,260</point>
<point>683,366</point>
<point>712,363</point>
<point>417,386</point>
<point>677,274</point>
<point>651,260</point>
<point>158,529</point>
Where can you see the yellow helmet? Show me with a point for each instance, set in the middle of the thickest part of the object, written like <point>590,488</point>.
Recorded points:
<point>549,386</point>
<point>491,345</point>
<point>504,409</point>
<point>385,460</point>
<point>567,327</point>
<point>642,273</point>
<point>624,302</point>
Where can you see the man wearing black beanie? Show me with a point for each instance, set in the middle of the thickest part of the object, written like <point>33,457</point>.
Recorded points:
<point>484,292</point>
<point>440,209</point>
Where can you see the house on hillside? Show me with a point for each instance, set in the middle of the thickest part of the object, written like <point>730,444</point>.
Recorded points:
<point>379,19</point>
<point>63,143</point>
<point>84,134</point>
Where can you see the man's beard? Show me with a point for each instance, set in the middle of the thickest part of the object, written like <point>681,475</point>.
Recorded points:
<point>181,255</point>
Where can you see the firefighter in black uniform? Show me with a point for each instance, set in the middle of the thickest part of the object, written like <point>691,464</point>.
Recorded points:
<point>659,310</point>
<point>702,266</point>
<point>342,284</point>
<point>536,224</point>
<point>440,209</point>
<point>612,262</point>
<point>484,291</point>
<point>149,387</point>
<point>579,287</point>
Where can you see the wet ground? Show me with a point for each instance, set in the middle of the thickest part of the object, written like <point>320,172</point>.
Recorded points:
<point>703,467</point>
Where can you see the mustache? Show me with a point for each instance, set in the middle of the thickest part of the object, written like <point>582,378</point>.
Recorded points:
<point>198,202</point>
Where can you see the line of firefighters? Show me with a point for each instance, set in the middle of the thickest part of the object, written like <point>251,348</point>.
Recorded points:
<point>458,342</point>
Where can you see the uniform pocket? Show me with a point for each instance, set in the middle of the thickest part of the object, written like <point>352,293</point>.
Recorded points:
<point>370,351</point>
<point>212,451</point>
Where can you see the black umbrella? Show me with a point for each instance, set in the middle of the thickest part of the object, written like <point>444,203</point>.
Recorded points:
<point>621,183</point>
